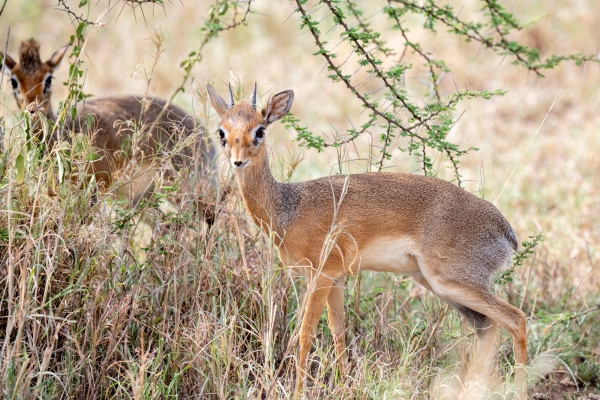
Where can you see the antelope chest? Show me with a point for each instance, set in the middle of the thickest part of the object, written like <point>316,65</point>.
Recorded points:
<point>397,255</point>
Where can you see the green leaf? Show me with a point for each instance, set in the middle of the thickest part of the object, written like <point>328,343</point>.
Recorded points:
<point>83,3</point>
<point>3,164</point>
<point>50,177</point>
<point>20,169</point>
<point>80,30</point>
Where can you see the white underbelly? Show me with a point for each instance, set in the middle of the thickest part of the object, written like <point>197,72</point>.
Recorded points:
<point>397,255</point>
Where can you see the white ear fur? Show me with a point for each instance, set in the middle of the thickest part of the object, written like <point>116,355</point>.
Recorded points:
<point>278,106</point>
<point>218,103</point>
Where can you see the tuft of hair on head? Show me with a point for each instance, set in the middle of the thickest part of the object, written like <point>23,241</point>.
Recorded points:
<point>29,56</point>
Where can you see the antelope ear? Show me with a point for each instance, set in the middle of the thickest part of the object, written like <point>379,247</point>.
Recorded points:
<point>57,57</point>
<point>7,62</point>
<point>278,106</point>
<point>218,103</point>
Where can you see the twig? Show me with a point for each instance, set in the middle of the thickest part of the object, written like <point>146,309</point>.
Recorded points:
<point>3,5</point>
<point>339,19</point>
<point>415,118</point>
<point>207,37</point>
<point>524,55</point>
<point>62,6</point>
<point>386,143</point>
<point>417,49</point>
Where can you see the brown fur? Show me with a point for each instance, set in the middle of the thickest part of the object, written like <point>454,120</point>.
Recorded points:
<point>115,119</point>
<point>29,57</point>
<point>449,240</point>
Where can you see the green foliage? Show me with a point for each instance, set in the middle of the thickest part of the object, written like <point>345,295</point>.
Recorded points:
<point>527,249</point>
<point>304,136</point>
<point>74,83</point>
<point>423,128</point>
<point>589,372</point>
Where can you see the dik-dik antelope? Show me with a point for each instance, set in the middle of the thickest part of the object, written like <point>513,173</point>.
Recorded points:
<point>448,239</point>
<point>115,120</point>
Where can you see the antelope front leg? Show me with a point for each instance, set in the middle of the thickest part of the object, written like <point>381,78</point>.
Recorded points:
<point>316,297</point>
<point>335,317</point>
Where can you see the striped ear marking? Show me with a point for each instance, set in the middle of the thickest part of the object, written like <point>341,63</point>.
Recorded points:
<point>278,106</point>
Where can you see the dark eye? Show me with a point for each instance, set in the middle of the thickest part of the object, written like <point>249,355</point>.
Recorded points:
<point>260,132</point>
<point>14,83</point>
<point>47,83</point>
<point>259,135</point>
<point>221,133</point>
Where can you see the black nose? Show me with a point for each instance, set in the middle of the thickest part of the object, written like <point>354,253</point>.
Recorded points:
<point>238,163</point>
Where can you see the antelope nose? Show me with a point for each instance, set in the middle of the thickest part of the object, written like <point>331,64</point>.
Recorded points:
<point>237,163</point>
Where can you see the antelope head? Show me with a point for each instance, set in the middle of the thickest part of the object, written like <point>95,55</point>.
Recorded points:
<point>31,79</point>
<point>242,128</point>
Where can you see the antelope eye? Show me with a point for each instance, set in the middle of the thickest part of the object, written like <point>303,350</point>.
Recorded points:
<point>260,133</point>
<point>221,133</point>
<point>47,83</point>
<point>14,83</point>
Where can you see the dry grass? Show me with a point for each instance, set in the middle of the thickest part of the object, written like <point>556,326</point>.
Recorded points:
<point>85,315</point>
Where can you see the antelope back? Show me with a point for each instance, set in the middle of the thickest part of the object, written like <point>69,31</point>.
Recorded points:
<point>117,121</point>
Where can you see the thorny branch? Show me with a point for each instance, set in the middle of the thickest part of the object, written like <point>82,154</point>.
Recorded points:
<point>212,27</point>
<point>435,130</point>
<point>62,6</point>
<point>338,72</point>
<point>234,20</point>
<point>501,22</point>
<point>417,48</point>
<point>374,63</point>
<point>387,140</point>
<point>425,127</point>
<point>351,5</point>
<point>353,136</point>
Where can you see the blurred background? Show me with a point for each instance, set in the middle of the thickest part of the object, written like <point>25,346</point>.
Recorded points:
<point>553,187</point>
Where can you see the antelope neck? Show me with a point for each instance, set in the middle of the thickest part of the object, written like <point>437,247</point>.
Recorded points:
<point>262,194</point>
